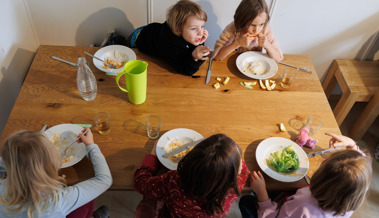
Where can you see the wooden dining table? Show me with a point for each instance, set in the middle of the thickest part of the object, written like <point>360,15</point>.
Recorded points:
<point>49,96</point>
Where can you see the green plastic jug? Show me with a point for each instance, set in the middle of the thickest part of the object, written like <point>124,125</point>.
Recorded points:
<point>135,72</point>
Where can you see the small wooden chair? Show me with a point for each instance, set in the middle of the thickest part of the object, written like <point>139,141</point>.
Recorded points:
<point>359,81</point>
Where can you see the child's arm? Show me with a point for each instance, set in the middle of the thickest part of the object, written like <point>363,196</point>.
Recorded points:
<point>145,182</point>
<point>268,42</point>
<point>258,185</point>
<point>224,51</point>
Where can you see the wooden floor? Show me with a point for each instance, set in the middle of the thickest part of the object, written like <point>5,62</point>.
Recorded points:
<point>123,204</point>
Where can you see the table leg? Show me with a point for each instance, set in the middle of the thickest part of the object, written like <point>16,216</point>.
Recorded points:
<point>366,118</point>
<point>344,105</point>
<point>330,80</point>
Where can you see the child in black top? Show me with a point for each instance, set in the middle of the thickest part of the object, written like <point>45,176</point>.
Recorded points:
<point>179,40</point>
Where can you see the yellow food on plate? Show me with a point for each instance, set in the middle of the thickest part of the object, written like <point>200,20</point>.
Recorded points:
<point>254,67</point>
<point>173,145</point>
<point>117,64</point>
<point>60,144</point>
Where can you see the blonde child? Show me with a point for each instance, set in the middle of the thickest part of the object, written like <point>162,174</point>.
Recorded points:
<point>179,40</point>
<point>32,187</point>
<point>336,189</point>
<point>248,32</point>
<point>207,181</point>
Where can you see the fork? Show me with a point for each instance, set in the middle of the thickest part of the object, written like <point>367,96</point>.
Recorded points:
<point>298,68</point>
<point>65,150</point>
<point>108,64</point>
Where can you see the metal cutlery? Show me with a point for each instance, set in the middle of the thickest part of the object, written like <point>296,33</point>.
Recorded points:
<point>209,71</point>
<point>298,68</point>
<point>77,138</point>
<point>108,64</point>
<point>183,148</point>
<point>321,152</point>
<point>67,62</point>
<point>43,129</point>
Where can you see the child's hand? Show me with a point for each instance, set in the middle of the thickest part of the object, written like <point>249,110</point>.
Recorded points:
<point>201,52</point>
<point>86,139</point>
<point>340,140</point>
<point>205,36</point>
<point>261,40</point>
<point>258,185</point>
<point>244,40</point>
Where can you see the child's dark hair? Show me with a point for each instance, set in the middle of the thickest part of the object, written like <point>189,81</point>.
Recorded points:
<point>210,170</point>
<point>341,182</point>
<point>247,11</point>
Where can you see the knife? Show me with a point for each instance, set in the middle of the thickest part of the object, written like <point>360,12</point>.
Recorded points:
<point>67,62</point>
<point>321,152</point>
<point>209,71</point>
<point>43,129</point>
<point>183,148</point>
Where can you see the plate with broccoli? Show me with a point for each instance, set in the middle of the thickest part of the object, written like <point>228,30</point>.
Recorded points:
<point>282,159</point>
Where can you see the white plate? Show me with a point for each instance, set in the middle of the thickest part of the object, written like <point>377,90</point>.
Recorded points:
<point>250,56</point>
<point>182,135</point>
<point>110,52</point>
<point>269,145</point>
<point>68,132</point>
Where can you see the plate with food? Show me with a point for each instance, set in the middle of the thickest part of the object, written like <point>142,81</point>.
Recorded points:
<point>173,140</point>
<point>61,136</point>
<point>116,55</point>
<point>256,65</point>
<point>282,159</point>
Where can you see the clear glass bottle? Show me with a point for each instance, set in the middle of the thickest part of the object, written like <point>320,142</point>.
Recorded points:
<point>86,81</point>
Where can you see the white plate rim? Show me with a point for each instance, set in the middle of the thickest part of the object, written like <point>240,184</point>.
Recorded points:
<point>275,144</point>
<point>103,51</point>
<point>79,148</point>
<point>259,55</point>
<point>164,139</point>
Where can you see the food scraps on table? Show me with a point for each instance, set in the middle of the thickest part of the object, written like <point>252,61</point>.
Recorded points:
<point>285,161</point>
<point>304,139</point>
<point>216,85</point>
<point>282,128</point>
<point>267,84</point>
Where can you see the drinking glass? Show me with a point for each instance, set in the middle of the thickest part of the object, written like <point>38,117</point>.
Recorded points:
<point>153,125</point>
<point>103,122</point>
<point>314,123</point>
<point>288,77</point>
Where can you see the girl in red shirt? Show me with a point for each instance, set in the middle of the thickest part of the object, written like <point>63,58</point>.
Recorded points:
<point>209,178</point>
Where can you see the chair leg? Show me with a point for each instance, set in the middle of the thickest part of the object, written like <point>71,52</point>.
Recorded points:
<point>366,118</point>
<point>330,80</point>
<point>344,105</point>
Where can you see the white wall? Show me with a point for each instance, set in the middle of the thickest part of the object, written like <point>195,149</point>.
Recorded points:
<point>84,22</point>
<point>17,48</point>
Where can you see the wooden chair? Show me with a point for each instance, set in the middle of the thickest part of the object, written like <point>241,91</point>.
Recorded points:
<point>359,81</point>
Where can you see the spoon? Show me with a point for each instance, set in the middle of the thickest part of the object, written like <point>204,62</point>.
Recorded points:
<point>65,150</point>
<point>108,64</point>
<point>298,68</point>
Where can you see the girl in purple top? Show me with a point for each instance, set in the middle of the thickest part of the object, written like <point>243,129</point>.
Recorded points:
<point>336,189</point>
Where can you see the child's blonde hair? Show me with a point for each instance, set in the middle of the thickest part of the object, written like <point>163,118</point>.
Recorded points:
<point>32,164</point>
<point>247,11</point>
<point>178,14</point>
<point>341,182</point>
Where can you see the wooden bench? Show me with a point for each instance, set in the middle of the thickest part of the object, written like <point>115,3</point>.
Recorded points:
<point>359,81</point>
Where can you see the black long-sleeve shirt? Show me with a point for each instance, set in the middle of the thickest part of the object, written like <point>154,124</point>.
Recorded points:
<point>158,40</point>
